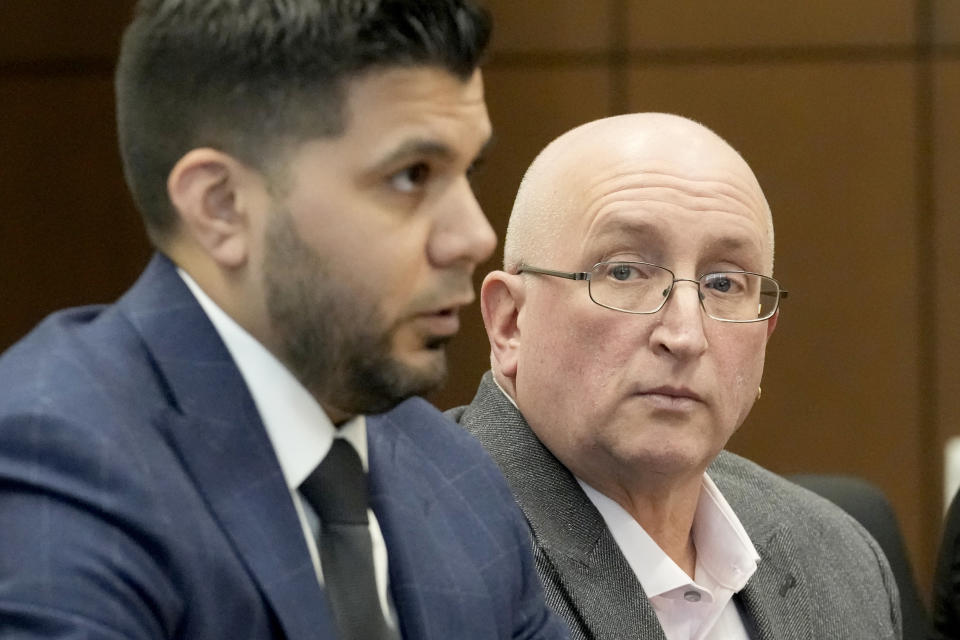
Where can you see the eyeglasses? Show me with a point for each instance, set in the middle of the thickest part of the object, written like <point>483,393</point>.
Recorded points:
<point>641,287</point>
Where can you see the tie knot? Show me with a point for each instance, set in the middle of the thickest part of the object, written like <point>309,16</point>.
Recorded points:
<point>337,488</point>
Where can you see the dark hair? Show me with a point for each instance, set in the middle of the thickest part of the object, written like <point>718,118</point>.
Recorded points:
<point>249,77</point>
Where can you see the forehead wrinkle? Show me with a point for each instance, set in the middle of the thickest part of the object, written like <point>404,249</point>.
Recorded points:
<point>630,228</point>
<point>628,187</point>
<point>627,180</point>
<point>624,228</point>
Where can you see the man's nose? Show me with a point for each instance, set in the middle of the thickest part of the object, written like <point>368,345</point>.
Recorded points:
<point>462,232</point>
<point>680,329</point>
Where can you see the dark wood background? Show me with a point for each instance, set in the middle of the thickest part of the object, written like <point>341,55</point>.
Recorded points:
<point>847,112</point>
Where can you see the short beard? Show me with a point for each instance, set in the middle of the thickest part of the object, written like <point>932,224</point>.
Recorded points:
<point>330,334</point>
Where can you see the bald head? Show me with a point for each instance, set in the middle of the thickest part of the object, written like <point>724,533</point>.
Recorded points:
<point>580,172</point>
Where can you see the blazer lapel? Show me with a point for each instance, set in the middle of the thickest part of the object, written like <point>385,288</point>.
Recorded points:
<point>429,566</point>
<point>598,582</point>
<point>606,593</point>
<point>776,602</point>
<point>214,426</point>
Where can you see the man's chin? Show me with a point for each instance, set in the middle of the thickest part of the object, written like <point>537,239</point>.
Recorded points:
<point>423,371</point>
<point>380,388</point>
<point>437,344</point>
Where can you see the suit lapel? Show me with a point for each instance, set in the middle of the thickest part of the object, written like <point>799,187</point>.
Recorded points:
<point>403,501</point>
<point>214,426</point>
<point>429,565</point>
<point>606,594</point>
<point>777,604</point>
<point>776,600</point>
<point>598,582</point>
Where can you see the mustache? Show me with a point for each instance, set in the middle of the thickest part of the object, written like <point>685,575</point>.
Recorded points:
<point>453,289</point>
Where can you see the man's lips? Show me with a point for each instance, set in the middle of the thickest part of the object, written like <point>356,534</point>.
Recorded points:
<point>669,397</point>
<point>673,392</point>
<point>442,321</point>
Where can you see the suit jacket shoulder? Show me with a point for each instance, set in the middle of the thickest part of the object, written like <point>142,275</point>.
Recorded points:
<point>820,574</point>
<point>141,498</point>
<point>138,489</point>
<point>460,558</point>
<point>809,544</point>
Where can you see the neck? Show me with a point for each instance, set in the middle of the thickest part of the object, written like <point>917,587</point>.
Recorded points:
<point>666,514</point>
<point>230,289</point>
<point>675,537</point>
<point>337,417</point>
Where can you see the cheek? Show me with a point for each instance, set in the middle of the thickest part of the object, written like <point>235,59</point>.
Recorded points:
<point>741,372</point>
<point>572,363</point>
<point>390,271</point>
<point>578,344</point>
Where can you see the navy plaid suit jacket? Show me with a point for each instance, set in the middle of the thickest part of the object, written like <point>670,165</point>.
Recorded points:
<point>140,496</point>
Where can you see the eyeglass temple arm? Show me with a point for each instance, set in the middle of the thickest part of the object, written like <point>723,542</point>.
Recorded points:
<point>576,275</point>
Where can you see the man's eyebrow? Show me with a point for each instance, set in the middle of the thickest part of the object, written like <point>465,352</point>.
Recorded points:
<point>619,226</point>
<point>416,148</point>
<point>730,243</point>
<point>423,147</point>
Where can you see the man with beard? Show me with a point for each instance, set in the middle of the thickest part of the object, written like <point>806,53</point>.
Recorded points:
<point>628,330</point>
<point>189,462</point>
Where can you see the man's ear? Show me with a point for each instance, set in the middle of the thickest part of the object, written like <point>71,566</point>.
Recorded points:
<point>772,323</point>
<point>206,187</point>
<point>501,298</point>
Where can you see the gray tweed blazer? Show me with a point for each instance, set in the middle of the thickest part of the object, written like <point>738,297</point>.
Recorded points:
<point>820,577</point>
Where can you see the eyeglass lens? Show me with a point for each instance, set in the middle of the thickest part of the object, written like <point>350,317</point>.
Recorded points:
<point>638,287</point>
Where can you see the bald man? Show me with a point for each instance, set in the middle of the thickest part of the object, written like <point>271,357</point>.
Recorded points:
<point>628,330</point>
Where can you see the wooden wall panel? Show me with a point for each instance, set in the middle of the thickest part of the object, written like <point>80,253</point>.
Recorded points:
<point>946,22</point>
<point>52,30</point>
<point>70,232</point>
<point>946,169</point>
<point>551,25</point>
<point>659,24</point>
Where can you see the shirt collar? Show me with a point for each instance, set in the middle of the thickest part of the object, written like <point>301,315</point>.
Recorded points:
<point>723,547</point>
<point>503,391</point>
<point>299,430</point>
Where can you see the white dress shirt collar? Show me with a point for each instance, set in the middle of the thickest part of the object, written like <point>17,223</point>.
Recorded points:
<point>724,549</point>
<point>298,428</point>
<point>689,608</point>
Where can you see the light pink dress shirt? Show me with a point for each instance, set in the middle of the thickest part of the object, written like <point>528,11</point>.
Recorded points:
<point>700,608</point>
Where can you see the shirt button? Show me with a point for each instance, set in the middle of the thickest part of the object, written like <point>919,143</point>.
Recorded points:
<point>692,596</point>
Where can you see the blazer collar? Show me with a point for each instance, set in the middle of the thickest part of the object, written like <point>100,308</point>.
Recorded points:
<point>777,604</point>
<point>213,424</point>
<point>418,495</point>
<point>598,582</point>
<point>776,599</point>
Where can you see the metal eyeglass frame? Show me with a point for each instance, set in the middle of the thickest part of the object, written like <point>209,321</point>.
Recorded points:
<point>586,275</point>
